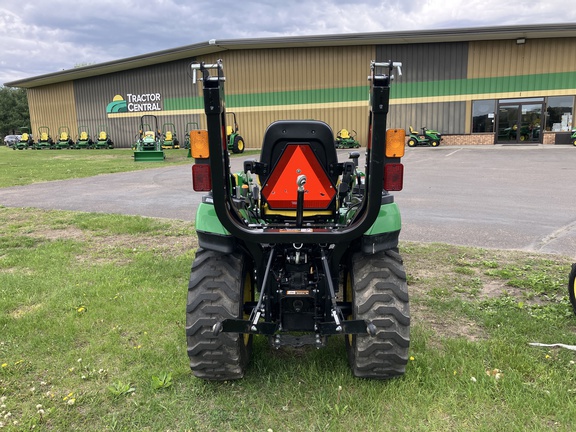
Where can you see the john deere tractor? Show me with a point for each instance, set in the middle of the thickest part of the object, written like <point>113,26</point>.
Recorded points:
<point>298,246</point>
<point>147,147</point>
<point>26,140</point>
<point>233,138</point>
<point>65,141</point>
<point>84,140</point>
<point>168,137</point>
<point>45,141</point>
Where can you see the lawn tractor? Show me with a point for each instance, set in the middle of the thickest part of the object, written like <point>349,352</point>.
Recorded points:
<point>103,140</point>
<point>573,136</point>
<point>45,141</point>
<point>168,138</point>
<point>428,137</point>
<point>64,139</point>
<point>147,146</point>
<point>346,139</point>
<point>233,138</point>
<point>26,141</point>
<point>298,246</point>
<point>84,140</point>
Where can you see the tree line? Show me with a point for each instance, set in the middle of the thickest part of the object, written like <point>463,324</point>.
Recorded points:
<point>14,113</point>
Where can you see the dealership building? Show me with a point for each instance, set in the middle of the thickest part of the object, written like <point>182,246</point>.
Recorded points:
<point>488,85</point>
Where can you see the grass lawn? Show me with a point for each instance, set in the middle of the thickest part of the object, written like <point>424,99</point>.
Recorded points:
<point>21,167</point>
<point>92,317</point>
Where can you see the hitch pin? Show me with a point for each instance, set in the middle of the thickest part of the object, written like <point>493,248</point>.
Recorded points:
<point>336,320</point>
<point>255,321</point>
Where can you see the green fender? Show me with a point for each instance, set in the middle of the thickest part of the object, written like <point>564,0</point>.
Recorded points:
<point>383,234</point>
<point>211,233</point>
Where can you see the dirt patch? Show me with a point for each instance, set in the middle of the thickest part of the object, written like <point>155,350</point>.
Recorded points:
<point>446,325</point>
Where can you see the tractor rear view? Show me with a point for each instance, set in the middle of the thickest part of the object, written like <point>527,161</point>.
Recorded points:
<point>299,246</point>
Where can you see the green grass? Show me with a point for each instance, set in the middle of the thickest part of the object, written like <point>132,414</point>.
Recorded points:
<point>22,167</point>
<point>92,316</point>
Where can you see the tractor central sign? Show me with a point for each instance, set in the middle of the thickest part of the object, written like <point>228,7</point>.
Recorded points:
<point>144,102</point>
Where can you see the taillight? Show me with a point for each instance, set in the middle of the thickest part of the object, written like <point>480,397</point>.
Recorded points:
<point>200,151</point>
<point>199,144</point>
<point>393,176</point>
<point>201,178</point>
<point>395,142</point>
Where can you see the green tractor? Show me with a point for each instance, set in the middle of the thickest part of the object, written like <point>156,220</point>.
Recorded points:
<point>147,147</point>
<point>168,138</point>
<point>573,136</point>
<point>45,141</point>
<point>84,140</point>
<point>26,140</point>
<point>346,139</point>
<point>428,137</point>
<point>103,140</point>
<point>190,126</point>
<point>65,141</point>
<point>233,138</point>
<point>299,246</point>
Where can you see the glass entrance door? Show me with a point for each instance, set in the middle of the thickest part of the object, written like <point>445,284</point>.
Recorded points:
<point>519,121</point>
<point>508,119</point>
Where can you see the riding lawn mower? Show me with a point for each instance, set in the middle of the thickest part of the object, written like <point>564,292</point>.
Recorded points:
<point>299,246</point>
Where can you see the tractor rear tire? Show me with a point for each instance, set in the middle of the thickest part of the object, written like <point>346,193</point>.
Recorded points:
<point>572,287</point>
<point>238,145</point>
<point>379,295</point>
<point>219,285</point>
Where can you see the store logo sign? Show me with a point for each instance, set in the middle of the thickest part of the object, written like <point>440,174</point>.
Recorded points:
<point>135,103</point>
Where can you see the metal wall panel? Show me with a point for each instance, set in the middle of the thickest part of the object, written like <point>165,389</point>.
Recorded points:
<point>432,69</point>
<point>428,62</point>
<point>507,58</point>
<point>52,106</point>
<point>297,83</point>
<point>171,80</point>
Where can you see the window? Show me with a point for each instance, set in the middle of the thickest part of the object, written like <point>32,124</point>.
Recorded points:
<point>559,113</point>
<point>483,116</point>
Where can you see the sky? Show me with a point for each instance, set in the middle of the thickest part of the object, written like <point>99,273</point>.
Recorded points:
<point>45,36</point>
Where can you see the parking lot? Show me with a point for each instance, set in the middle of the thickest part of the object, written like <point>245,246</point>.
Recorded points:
<point>509,197</point>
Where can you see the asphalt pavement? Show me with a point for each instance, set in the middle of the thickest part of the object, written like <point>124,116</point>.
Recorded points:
<point>505,197</point>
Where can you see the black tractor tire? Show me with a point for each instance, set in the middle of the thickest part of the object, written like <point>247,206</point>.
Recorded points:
<point>572,287</point>
<point>435,143</point>
<point>219,285</point>
<point>574,142</point>
<point>412,142</point>
<point>238,145</point>
<point>379,292</point>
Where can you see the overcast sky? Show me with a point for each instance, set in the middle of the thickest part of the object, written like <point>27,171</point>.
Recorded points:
<point>45,36</point>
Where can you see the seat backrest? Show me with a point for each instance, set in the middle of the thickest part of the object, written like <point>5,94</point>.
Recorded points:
<point>102,136</point>
<point>64,136</point>
<point>168,136</point>
<point>412,131</point>
<point>24,137</point>
<point>84,136</point>
<point>288,144</point>
<point>229,130</point>
<point>344,134</point>
<point>44,136</point>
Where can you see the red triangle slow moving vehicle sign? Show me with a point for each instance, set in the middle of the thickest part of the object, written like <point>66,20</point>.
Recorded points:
<point>281,189</point>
